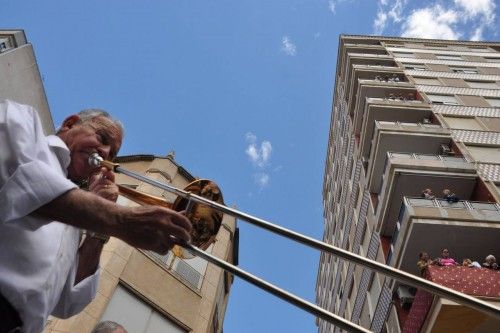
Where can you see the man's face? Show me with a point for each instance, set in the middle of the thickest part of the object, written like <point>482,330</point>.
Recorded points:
<point>98,135</point>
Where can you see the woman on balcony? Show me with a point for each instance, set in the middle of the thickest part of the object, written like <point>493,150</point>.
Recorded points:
<point>446,260</point>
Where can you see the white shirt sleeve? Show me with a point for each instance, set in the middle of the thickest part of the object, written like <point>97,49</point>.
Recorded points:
<point>28,179</point>
<point>74,298</point>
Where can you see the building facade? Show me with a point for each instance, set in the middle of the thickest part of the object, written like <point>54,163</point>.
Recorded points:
<point>409,115</point>
<point>20,79</point>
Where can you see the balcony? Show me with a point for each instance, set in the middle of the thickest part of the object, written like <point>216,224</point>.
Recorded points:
<point>430,313</point>
<point>404,137</point>
<point>370,60</point>
<point>385,109</point>
<point>468,229</point>
<point>407,174</point>
<point>378,89</point>
<point>376,73</point>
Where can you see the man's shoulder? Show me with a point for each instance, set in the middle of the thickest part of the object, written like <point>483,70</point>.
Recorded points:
<point>11,110</point>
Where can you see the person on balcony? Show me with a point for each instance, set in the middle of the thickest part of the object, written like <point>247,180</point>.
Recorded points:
<point>427,194</point>
<point>449,196</point>
<point>491,262</point>
<point>446,260</point>
<point>423,263</point>
<point>469,263</point>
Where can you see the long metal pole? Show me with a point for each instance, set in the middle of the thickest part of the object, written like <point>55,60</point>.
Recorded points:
<point>403,276</point>
<point>276,291</point>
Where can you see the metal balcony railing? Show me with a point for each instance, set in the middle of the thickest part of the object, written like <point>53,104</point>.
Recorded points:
<point>437,203</point>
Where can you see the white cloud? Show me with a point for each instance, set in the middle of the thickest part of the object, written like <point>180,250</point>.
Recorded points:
<point>473,8</point>
<point>288,46</point>
<point>396,11</point>
<point>432,22</point>
<point>260,156</point>
<point>262,179</point>
<point>467,19</point>
<point>331,6</point>
<point>250,137</point>
<point>379,23</point>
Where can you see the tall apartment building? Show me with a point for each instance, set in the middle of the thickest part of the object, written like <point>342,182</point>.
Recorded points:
<point>150,293</point>
<point>411,114</point>
<point>142,290</point>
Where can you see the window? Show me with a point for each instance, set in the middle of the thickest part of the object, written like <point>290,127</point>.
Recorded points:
<point>493,101</point>
<point>443,99</point>
<point>3,44</point>
<point>463,123</point>
<point>493,124</point>
<point>485,154</point>
<point>448,57</point>
<point>135,315</point>
<point>495,60</point>
<point>427,81</point>
<point>403,55</point>
<point>464,70</point>
<point>415,67</point>
<point>483,84</point>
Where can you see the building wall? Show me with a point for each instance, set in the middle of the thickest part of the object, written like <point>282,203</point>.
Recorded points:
<point>20,78</point>
<point>448,87</point>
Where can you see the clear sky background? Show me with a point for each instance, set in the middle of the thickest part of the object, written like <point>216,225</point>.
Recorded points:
<point>241,91</point>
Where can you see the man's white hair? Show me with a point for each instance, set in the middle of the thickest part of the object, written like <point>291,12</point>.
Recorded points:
<point>107,326</point>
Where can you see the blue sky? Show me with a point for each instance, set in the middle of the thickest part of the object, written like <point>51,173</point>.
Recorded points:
<point>241,91</point>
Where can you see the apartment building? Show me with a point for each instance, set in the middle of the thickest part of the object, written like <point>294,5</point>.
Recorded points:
<point>412,114</point>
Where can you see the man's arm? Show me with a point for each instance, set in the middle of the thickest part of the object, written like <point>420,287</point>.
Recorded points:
<point>145,227</point>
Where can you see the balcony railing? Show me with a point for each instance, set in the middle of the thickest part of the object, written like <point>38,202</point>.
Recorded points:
<point>429,157</point>
<point>437,203</point>
<point>409,125</point>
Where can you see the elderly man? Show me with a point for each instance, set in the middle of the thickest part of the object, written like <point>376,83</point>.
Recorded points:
<point>43,270</point>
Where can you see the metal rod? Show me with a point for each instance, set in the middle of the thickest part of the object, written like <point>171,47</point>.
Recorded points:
<point>276,291</point>
<point>392,272</point>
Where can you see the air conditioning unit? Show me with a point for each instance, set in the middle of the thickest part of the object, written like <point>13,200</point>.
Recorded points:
<point>405,296</point>
<point>446,150</point>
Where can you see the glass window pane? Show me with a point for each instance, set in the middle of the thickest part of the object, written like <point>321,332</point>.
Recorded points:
<point>448,57</point>
<point>443,99</point>
<point>463,123</point>
<point>427,81</point>
<point>493,101</point>
<point>483,84</point>
<point>485,154</point>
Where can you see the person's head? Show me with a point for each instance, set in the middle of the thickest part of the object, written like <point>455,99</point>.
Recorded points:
<point>446,191</point>
<point>490,259</point>
<point>423,256</point>
<point>445,253</point>
<point>90,131</point>
<point>467,262</point>
<point>109,327</point>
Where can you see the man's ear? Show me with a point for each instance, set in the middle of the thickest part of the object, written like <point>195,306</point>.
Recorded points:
<point>69,122</point>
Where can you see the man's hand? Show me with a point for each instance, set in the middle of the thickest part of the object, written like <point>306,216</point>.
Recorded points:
<point>151,228</point>
<point>103,184</point>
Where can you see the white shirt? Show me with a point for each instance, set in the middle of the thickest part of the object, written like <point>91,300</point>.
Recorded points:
<point>38,258</point>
